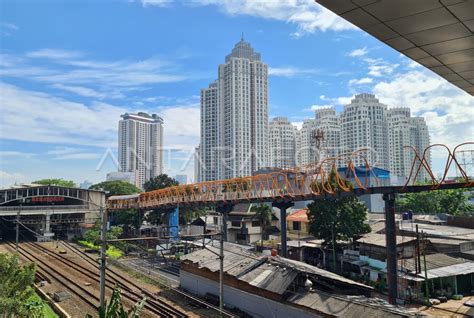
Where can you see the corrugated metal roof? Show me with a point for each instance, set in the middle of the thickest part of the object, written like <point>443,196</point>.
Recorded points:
<point>343,306</point>
<point>452,270</point>
<point>379,239</point>
<point>434,261</point>
<point>274,274</point>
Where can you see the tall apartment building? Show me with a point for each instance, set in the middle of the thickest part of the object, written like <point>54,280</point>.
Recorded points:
<point>140,142</point>
<point>234,117</point>
<point>328,122</point>
<point>364,126</point>
<point>305,143</point>
<point>405,130</point>
<point>211,125</point>
<point>282,143</point>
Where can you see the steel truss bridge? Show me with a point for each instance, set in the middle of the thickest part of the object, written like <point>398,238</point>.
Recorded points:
<point>300,183</point>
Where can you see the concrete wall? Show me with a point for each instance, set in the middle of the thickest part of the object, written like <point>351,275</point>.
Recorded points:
<point>255,305</point>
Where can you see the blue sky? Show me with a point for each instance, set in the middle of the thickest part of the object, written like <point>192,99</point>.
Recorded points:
<point>70,68</point>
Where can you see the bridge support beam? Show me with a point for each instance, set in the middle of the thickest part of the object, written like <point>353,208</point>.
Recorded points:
<point>173,224</point>
<point>283,205</point>
<point>224,209</point>
<point>391,243</point>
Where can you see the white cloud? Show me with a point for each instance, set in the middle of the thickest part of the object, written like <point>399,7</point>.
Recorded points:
<point>307,15</point>
<point>448,111</point>
<point>16,154</point>
<point>360,81</point>
<point>7,29</point>
<point>8,179</point>
<point>88,92</point>
<point>289,71</point>
<point>156,3</point>
<point>54,54</point>
<point>80,156</point>
<point>90,78</point>
<point>359,52</point>
<point>57,120</point>
<point>60,121</point>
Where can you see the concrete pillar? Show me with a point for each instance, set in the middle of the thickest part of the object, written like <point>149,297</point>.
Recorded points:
<point>391,243</point>
<point>224,210</point>
<point>283,205</point>
<point>47,224</point>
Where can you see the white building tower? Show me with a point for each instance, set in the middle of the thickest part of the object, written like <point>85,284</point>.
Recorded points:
<point>234,118</point>
<point>364,126</point>
<point>328,122</point>
<point>282,141</point>
<point>140,143</point>
<point>306,147</point>
<point>404,130</point>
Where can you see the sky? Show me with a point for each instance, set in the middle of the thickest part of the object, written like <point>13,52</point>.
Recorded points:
<point>69,69</point>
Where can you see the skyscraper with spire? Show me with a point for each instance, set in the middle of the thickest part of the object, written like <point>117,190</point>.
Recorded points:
<point>234,117</point>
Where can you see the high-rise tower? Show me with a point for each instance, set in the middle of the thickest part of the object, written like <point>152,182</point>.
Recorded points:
<point>234,117</point>
<point>140,142</point>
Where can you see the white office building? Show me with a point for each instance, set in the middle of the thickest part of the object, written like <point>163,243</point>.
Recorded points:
<point>129,177</point>
<point>234,117</point>
<point>364,127</point>
<point>405,130</point>
<point>140,143</point>
<point>282,142</point>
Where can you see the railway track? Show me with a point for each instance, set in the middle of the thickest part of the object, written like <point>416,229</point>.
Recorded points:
<point>46,270</point>
<point>153,304</point>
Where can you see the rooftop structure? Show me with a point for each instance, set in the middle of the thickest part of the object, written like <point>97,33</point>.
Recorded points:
<point>436,34</point>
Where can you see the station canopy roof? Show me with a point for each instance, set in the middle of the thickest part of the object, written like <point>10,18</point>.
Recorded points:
<point>438,34</point>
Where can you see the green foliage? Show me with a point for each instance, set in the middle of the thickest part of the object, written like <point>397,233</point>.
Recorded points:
<point>93,235</point>
<point>57,182</point>
<point>115,309</point>
<point>128,219</point>
<point>263,213</point>
<point>117,187</point>
<point>111,251</point>
<point>160,182</point>
<point>342,217</point>
<point>338,218</point>
<point>453,202</point>
<point>17,297</point>
<point>187,215</point>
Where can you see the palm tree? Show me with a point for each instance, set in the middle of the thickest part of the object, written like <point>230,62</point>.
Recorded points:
<point>264,214</point>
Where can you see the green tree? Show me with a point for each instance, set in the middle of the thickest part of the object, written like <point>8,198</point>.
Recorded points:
<point>453,202</point>
<point>342,217</point>
<point>115,309</point>
<point>93,235</point>
<point>160,182</point>
<point>264,214</point>
<point>117,187</point>
<point>57,182</point>
<point>17,297</point>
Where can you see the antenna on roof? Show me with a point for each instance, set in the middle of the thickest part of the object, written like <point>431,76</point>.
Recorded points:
<point>242,38</point>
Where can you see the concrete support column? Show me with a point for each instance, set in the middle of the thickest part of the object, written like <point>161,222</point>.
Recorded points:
<point>283,205</point>
<point>391,243</point>
<point>224,209</point>
<point>47,224</point>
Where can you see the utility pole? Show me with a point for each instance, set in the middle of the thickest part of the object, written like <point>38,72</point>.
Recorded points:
<point>17,228</point>
<point>103,249</point>
<point>221,272</point>
<point>426,272</point>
